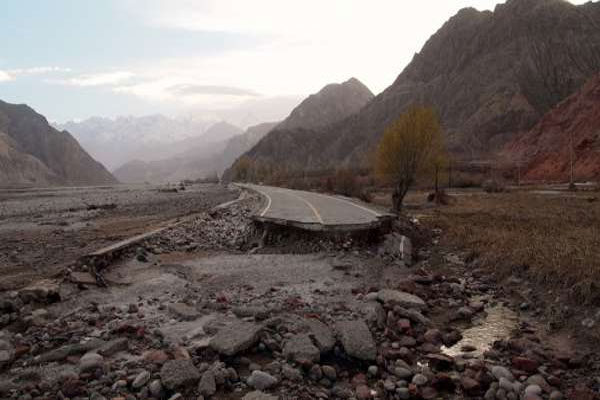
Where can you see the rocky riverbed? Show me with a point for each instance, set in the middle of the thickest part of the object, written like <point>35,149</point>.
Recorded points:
<point>189,314</point>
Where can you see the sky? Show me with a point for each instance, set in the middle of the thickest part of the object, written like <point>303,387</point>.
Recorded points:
<point>72,59</point>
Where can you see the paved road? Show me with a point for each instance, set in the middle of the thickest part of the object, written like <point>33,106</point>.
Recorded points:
<point>300,207</point>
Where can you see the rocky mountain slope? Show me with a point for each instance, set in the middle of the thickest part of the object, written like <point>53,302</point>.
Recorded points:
<point>545,149</point>
<point>332,104</point>
<point>32,153</point>
<point>489,75</point>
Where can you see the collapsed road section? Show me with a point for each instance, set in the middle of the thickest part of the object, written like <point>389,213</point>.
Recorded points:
<point>316,211</point>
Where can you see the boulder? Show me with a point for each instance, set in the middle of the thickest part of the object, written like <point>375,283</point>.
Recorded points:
<point>261,380</point>
<point>208,384</point>
<point>179,373</point>
<point>321,334</point>
<point>44,291</point>
<point>357,339</point>
<point>90,362</point>
<point>301,349</point>
<point>183,312</point>
<point>235,338</point>
<point>392,297</point>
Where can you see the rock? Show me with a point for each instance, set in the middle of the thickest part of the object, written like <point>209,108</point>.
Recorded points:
<point>357,339</point>
<point>293,374</point>
<point>258,395</point>
<point>470,385</point>
<point>329,372</point>
<point>114,346</point>
<point>373,370</point>
<point>391,297</point>
<point>179,373</point>
<point>433,336</point>
<point>44,291</point>
<point>68,350</point>
<point>208,385</point>
<point>258,313</point>
<point>464,313</point>
<point>429,393</point>
<point>412,315</point>
<point>501,372</point>
<point>183,312</point>
<point>525,364</point>
<point>538,380</point>
<point>301,349</point>
<point>403,393</point>
<point>235,338</point>
<point>533,389</point>
<point>506,384</point>
<point>90,362</point>
<point>7,351</point>
<point>315,373</point>
<point>363,392</point>
<point>155,388</point>
<point>155,356</point>
<point>261,380</point>
<point>556,395</point>
<point>321,335</point>
<point>419,379</point>
<point>141,379</point>
<point>374,313</point>
<point>403,373</point>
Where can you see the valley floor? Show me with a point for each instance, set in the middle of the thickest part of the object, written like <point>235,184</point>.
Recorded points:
<point>190,314</point>
<point>42,231</point>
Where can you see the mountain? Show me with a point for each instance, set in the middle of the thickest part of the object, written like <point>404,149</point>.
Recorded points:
<point>238,145</point>
<point>545,149</point>
<point>32,153</point>
<point>332,103</point>
<point>287,142</point>
<point>197,158</point>
<point>151,137</point>
<point>489,74</point>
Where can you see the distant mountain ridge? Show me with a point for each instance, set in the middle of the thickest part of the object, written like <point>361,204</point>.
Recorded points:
<point>199,160</point>
<point>490,75</point>
<point>151,137</point>
<point>32,153</point>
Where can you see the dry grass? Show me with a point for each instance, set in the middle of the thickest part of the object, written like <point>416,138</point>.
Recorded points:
<point>555,239</point>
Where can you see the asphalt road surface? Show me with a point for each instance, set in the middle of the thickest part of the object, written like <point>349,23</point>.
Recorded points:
<point>297,206</point>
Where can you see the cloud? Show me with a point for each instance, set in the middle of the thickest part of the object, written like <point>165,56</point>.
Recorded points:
<point>191,89</point>
<point>98,79</point>
<point>12,74</point>
<point>5,76</point>
<point>38,70</point>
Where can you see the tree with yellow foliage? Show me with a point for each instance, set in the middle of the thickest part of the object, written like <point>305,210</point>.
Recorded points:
<point>410,145</point>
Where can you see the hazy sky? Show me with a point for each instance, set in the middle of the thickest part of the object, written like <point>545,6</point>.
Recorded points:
<point>72,59</point>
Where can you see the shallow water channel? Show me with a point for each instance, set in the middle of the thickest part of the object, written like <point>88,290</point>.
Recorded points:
<point>497,324</point>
